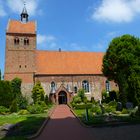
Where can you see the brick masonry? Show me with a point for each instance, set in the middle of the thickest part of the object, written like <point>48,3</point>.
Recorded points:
<point>20,61</point>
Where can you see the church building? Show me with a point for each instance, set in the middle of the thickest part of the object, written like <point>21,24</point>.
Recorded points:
<point>61,73</point>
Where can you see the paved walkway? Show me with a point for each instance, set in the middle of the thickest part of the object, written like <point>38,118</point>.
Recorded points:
<point>64,126</point>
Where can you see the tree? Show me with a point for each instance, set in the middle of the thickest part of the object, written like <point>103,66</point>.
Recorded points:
<point>6,96</point>
<point>38,93</point>
<point>16,86</point>
<point>0,75</point>
<point>121,64</point>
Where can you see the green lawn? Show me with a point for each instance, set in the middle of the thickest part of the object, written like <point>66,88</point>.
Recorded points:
<point>28,124</point>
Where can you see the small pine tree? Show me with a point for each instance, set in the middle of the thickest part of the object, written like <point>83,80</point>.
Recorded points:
<point>38,93</point>
<point>81,93</point>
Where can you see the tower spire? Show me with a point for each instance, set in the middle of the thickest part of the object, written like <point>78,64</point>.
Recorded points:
<point>24,14</point>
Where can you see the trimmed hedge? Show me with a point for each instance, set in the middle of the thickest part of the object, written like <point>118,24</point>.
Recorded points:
<point>83,106</point>
<point>4,110</point>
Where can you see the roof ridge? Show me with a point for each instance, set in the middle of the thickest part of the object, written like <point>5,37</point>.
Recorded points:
<point>66,51</point>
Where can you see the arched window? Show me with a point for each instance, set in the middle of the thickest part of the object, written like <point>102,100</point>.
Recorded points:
<point>85,85</point>
<point>53,86</point>
<point>26,41</point>
<point>107,86</point>
<point>75,89</point>
<point>16,41</point>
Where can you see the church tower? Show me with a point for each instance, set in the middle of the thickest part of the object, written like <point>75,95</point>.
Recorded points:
<point>20,49</point>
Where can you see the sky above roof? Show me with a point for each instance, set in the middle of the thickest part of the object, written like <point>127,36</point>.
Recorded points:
<point>73,25</point>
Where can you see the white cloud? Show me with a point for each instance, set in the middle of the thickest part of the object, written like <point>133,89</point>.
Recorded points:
<point>2,11</point>
<point>117,10</point>
<point>17,6</point>
<point>46,42</point>
<point>41,39</point>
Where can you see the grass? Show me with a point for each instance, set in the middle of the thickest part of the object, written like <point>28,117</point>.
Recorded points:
<point>100,119</point>
<point>27,124</point>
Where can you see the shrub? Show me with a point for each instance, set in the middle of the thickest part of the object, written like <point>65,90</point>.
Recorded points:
<point>104,94</point>
<point>14,107</point>
<point>38,93</point>
<point>113,103</point>
<point>73,104</point>
<point>83,106</point>
<point>22,102</point>
<point>42,104</point>
<point>125,111</point>
<point>3,110</point>
<point>81,94</point>
<point>23,112</point>
<point>77,99</point>
<point>109,109</point>
<point>93,100</point>
<point>47,100</point>
<point>35,109</point>
<point>96,109</point>
<point>105,97</point>
<point>85,99</point>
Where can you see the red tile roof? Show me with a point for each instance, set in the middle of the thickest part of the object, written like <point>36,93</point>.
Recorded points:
<point>53,62</point>
<point>15,26</point>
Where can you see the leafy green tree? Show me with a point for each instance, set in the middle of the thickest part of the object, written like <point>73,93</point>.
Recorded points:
<point>38,93</point>
<point>0,75</point>
<point>16,86</point>
<point>121,64</point>
<point>6,96</point>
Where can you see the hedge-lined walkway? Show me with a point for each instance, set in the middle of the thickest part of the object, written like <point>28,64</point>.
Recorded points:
<point>64,126</point>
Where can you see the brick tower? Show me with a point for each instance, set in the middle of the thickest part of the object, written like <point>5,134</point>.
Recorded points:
<point>20,49</point>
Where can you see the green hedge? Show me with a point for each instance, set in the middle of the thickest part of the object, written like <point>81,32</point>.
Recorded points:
<point>83,106</point>
<point>4,110</point>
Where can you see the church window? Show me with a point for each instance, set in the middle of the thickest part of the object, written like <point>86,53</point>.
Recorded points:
<point>16,41</point>
<point>107,86</point>
<point>26,41</point>
<point>75,89</point>
<point>85,85</point>
<point>53,87</point>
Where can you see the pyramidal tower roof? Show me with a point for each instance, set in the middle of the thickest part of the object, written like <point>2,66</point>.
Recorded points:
<point>24,15</point>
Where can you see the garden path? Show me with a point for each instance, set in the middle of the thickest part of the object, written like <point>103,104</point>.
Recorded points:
<point>64,126</point>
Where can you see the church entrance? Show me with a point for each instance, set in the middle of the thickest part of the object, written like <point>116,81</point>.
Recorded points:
<point>62,97</point>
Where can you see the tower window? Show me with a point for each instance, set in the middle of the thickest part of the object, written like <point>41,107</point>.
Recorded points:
<point>26,41</point>
<point>16,41</point>
<point>85,85</point>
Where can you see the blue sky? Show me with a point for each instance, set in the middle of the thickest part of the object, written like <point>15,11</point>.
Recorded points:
<point>74,25</point>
